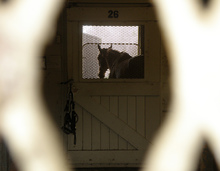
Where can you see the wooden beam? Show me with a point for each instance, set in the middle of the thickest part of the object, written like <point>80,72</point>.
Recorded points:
<point>105,158</point>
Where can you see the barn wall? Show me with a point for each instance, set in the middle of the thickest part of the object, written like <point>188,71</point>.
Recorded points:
<point>55,71</point>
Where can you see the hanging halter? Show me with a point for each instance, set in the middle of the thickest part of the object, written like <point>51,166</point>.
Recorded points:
<point>71,117</point>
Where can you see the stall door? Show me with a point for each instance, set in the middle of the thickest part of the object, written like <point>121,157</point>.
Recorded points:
<point>117,116</point>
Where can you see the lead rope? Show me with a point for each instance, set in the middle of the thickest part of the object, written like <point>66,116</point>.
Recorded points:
<point>71,117</point>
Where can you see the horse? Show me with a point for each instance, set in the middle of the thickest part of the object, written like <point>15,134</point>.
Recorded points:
<point>120,64</point>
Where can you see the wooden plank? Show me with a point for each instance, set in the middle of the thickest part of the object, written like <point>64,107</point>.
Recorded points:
<point>118,89</point>
<point>72,55</point>
<point>153,117</point>
<point>123,108</point>
<point>105,135</point>
<point>132,108</point>
<point>70,50</point>
<point>105,132</point>
<point>113,140</point>
<point>106,158</point>
<point>114,105</point>
<point>122,114</point>
<point>153,51</point>
<point>113,109</point>
<point>96,134</point>
<point>105,102</point>
<point>79,132</point>
<point>112,121</point>
<point>132,115</point>
<point>87,133</point>
<point>112,1</point>
<point>102,13</point>
<point>96,129</point>
<point>141,115</point>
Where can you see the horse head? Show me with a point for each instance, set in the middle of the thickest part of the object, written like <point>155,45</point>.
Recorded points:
<point>103,61</point>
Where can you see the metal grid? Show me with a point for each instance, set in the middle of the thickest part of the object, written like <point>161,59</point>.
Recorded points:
<point>117,36</point>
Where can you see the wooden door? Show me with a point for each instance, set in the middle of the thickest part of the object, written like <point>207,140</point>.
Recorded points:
<point>117,117</point>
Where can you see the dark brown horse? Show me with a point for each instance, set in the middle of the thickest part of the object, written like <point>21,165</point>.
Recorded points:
<point>120,64</point>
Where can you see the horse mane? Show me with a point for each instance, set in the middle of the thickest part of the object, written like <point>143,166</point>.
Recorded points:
<point>124,56</point>
<point>119,56</point>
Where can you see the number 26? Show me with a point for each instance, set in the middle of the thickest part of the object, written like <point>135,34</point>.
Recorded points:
<point>113,14</point>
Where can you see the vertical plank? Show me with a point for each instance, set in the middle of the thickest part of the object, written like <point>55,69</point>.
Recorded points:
<point>131,115</point>
<point>123,108</point>
<point>122,113</point>
<point>96,128</point>
<point>153,49</point>
<point>132,112</point>
<point>105,135</point>
<point>141,115</point>
<point>113,140</point>
<point>152,116</point>
<point>87,133</point>
<point>70,50</point>
<point>114,105</point>
<point>105,101</point>
<point>113,109</point>
<point>105,131</point>
<point>96,134</point>
<point>78,145</point>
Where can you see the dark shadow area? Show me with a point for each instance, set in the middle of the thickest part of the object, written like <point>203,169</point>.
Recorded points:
<point>205,3</point>
<point>109,169</point>
<point>207,160</point>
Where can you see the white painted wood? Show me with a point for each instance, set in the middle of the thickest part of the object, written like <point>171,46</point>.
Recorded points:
<point>116,89</point>
<point>106,158</point>
<point>70,49</point>
<point>114,138</point>
<point>131,120</point>
<point>105,132</point>
<point>132,109</point>
<point>87,130</point>
<point>101,13</point>
<point>141,115</point>
<point>153,116</point>
<point>122,110</point>
<point>153,52</point>
<point>105,135</point>
<point>112,121</point>
<point>114,105</point>
<point>96,134</point>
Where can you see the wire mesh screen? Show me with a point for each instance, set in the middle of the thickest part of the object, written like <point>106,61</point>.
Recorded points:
<point>120,38</point>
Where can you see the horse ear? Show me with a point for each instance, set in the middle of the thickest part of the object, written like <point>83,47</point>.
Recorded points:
<point>110,46</point>
<point>99,48</point>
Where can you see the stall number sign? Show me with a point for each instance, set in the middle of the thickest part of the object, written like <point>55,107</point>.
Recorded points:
<point>113,14</point>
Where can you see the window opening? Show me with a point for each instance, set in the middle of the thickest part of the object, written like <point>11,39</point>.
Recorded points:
<point>112,52</point>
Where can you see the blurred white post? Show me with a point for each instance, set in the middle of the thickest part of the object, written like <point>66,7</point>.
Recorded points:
<point>192,38</point>
<point>25,28</point>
